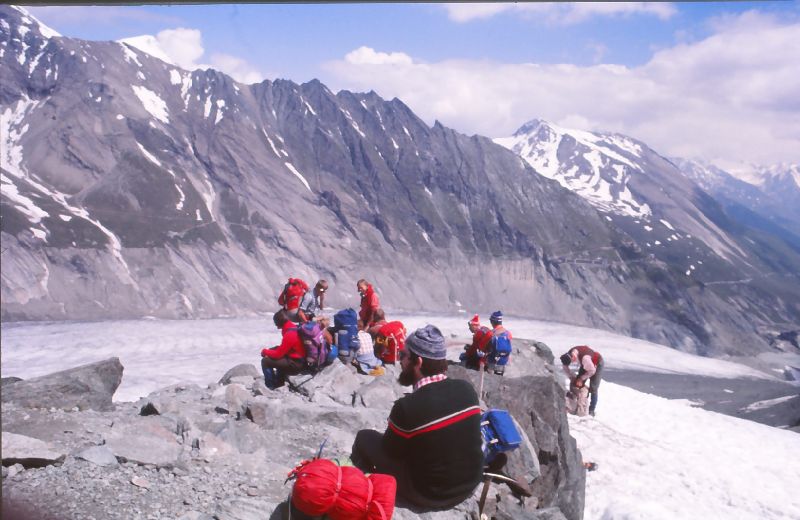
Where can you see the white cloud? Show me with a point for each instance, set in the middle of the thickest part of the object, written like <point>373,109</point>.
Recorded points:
<point>367,56</point>
<point>237,68</point>
<point>184,48</point>
<point>560,13</point>
<point>732,95</point>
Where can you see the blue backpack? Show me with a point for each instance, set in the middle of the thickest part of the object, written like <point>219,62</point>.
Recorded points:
<point>345,324</point>
<point>499,434</point>
<point>500,349</point>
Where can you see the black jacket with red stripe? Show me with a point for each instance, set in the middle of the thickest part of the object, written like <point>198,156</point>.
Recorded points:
<point>437,431</point>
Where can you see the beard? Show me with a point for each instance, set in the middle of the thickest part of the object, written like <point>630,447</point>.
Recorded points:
<point>406,377</point>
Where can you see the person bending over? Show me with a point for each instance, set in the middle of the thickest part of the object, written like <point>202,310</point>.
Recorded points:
<point>590,364</point>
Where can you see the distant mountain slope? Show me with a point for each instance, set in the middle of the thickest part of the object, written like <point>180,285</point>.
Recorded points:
<point>131,187</point>
<point>665,214</point>
<point>775,197</point>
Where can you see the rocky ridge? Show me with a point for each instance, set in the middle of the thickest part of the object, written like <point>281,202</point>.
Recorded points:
<point>223,452</point>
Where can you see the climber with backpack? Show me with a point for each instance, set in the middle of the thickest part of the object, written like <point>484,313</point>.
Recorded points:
<point>290,297</point>
<point>499,344</point>
<point>288,358</point>
<point>432,444</point>
<point>590,364</point>
<point>475,353</point>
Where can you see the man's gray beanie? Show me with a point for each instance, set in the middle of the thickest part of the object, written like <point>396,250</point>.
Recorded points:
<point>427,342</point>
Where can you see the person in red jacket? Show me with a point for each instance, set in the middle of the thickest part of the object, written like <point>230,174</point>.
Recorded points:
<point>590,365</point>
<point>288,358</point>
<point>479,347</point>
<point>369,303</point>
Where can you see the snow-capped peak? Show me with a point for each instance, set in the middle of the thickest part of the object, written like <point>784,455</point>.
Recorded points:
<point>149,45</point>
<point>31,21</point>
<point>596,166</point>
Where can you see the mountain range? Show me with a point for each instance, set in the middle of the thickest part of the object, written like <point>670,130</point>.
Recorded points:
<point>131,187</point>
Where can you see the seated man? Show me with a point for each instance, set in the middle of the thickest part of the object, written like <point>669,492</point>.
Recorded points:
<point>432,445</point>
<point>288,358</point>
<point>476,352</point>
<point>378,321</point>
<point>590,364</point>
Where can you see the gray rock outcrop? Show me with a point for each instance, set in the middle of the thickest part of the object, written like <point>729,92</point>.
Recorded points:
<point>223,451</point>
<point>88,387</point>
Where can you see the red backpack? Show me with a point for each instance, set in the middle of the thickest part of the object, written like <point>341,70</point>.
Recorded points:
<point>322,487</point>
<point>389,341</point>
<point>292,293</point>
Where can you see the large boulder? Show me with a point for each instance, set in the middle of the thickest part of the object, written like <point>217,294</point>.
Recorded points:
<point>85,387</point>
<point>531,391</point>
<point>244,369</point>
<point>28,451</point>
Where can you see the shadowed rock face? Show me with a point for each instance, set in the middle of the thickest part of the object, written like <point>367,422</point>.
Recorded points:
<point>225,450</point>
<point>89,387</point>
<point>135,188</point>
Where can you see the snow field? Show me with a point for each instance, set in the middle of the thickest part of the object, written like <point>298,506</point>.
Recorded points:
<point>658,458</point>
<point>664,459</point>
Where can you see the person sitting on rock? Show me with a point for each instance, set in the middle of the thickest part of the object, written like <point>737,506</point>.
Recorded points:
<point>590,364</point>
<point>288,358</point>
<point>432,445</point>
<point>378,321</point>
<point>475,353</point>
<point>370,303</point>
<point>499,347</point>
<point>313,302</point>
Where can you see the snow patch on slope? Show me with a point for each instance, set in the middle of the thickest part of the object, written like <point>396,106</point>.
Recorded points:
<point>152,103</point>
<point>298,175</point>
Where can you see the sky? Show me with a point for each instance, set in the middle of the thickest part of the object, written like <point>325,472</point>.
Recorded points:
<point>658,459</point>
<point>718,81</point>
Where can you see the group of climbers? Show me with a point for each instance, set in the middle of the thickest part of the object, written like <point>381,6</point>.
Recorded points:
<point>365,339</point>
<point>434,445</point>
<point>490,348</point>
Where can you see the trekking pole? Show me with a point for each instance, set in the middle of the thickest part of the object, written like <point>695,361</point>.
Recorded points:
<point>481,368</point>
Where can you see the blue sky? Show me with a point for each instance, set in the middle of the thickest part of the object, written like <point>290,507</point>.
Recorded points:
<point>480,68</point>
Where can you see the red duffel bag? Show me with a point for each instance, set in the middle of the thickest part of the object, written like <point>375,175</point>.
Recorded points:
<point>342,492</point>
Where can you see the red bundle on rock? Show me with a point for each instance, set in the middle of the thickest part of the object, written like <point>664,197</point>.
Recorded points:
<point>342,492</point>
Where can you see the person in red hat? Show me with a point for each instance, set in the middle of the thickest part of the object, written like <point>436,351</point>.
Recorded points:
<point>477,350</point>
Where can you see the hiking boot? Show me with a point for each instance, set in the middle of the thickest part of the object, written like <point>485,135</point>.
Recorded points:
<point>591,412</point>
<point>377,371</point>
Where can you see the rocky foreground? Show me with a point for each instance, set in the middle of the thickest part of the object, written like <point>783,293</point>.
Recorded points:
<point>223,452</point>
